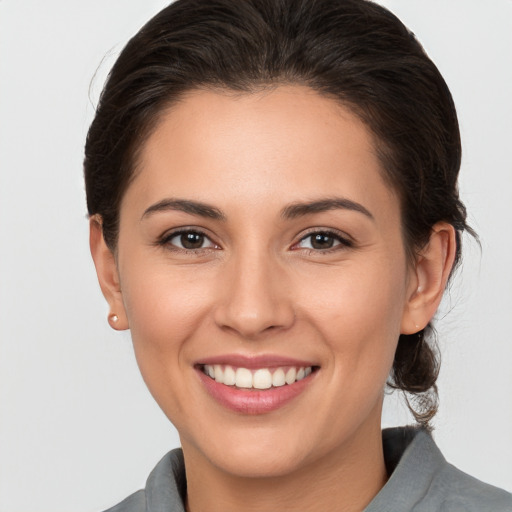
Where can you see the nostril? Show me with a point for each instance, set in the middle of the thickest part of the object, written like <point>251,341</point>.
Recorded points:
<point>253,304</point>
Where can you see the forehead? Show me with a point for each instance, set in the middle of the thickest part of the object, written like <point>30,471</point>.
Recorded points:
<point>284,144</point>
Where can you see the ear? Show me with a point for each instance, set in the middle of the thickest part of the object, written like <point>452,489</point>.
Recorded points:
<point>108,275</point>
<point>430,275</point>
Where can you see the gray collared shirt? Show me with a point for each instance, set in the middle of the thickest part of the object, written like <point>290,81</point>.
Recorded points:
<point>421,481</point>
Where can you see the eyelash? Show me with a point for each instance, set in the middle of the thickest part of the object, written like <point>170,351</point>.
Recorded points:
<point>343,241</point>
<point>165,240</point>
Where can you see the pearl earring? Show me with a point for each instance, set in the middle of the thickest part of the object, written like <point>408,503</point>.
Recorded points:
<point>113,318</point>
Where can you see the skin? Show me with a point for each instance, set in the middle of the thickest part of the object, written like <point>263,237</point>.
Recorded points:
<point>257,286</point>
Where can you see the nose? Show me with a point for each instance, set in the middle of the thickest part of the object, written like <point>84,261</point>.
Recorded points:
<point>256,296</point>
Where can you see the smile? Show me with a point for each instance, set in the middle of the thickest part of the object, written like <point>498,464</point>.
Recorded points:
<point>255,385</point>
<point>260,378</point>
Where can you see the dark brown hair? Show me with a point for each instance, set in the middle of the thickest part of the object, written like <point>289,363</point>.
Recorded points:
<point>353,51</point>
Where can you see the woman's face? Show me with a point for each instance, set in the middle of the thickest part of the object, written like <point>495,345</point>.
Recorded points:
<point>259,243</point>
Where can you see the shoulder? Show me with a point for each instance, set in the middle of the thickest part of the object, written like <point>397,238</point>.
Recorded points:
<point>421,480</point>
<point>134,503</point>
<point>165,488</point>
<point>459,492</point>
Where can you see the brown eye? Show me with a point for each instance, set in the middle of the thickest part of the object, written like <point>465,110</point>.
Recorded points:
<point>323,241</point>
<point>190,240</point>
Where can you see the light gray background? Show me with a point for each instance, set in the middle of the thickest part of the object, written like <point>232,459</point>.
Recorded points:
<point>78,430</point>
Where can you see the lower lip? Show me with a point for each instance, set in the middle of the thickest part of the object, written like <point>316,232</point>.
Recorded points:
<point>254,401</point>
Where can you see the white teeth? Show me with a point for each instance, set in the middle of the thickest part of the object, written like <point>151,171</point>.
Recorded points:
<point>219,374</point>
<point>229,376</point>
<point>243,378</point>
<point>290,376</point>
<point>262,378</point>
<point>278,378</point>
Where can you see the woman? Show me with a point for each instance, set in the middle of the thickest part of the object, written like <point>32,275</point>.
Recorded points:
<point>274,215</point>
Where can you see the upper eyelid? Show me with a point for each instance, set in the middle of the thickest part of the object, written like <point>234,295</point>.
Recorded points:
<point>328,231</point>
<point>170,234</point>
<point>345,242</point>
<point>184,229</point>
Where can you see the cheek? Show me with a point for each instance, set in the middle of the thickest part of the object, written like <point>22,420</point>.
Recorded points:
<point>164,311</point>
<point>165,305</point>
<point>358,310</point>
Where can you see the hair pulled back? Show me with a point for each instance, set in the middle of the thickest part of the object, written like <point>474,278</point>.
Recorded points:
<point>353,51</point>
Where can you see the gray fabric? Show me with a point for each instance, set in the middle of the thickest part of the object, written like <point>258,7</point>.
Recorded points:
<point>424,482</point>
<point>165,488</point>
<point>421,481</point>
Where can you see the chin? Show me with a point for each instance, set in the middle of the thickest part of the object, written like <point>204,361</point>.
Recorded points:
<point>257,463</point>
<point>264,452</point>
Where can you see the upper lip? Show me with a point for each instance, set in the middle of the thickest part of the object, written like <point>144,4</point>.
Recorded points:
<point>254,361</point>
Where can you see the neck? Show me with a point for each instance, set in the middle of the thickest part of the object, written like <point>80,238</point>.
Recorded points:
<point>345,480</point>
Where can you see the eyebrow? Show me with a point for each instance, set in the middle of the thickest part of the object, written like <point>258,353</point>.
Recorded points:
<point>300,209</point>
<point>187,206</point>
<point>292,211</point>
